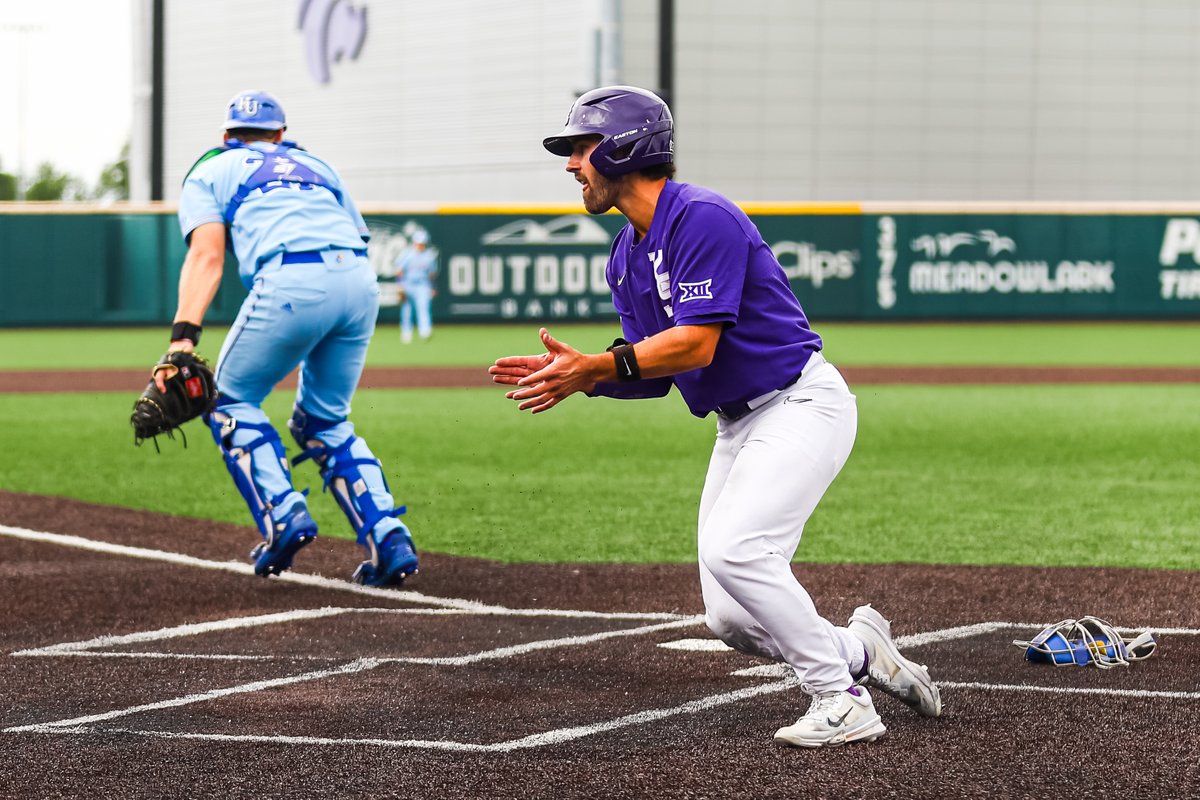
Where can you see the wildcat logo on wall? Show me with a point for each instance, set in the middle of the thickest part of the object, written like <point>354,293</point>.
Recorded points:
<point>333,30</point>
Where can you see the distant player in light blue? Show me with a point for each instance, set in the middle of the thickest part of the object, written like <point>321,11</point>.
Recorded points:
<point>301,250</point>
<point>416,272</point>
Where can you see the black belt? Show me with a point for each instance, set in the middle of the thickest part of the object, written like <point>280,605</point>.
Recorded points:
<point>312,256</point>
<point>735,411</point>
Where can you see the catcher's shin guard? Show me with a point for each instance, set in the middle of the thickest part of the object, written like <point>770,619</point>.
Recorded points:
<point>241,460</point>
<point>354,476</point>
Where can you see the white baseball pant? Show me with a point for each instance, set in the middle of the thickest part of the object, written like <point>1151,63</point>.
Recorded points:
<point>768,471</point>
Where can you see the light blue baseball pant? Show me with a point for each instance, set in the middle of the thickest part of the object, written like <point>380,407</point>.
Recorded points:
<point>320,316</point>
<point>420,300</point>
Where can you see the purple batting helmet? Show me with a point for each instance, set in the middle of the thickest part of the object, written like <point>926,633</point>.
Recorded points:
<point>634,127</point>
<point>253,109</point>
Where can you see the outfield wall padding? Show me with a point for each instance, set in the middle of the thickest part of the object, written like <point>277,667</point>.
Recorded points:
<point>80,265</point>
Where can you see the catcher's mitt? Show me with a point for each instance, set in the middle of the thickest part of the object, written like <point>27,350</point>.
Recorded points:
<point>190,392</point>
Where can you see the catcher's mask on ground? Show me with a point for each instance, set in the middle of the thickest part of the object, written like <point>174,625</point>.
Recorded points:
<point>1086,641</point>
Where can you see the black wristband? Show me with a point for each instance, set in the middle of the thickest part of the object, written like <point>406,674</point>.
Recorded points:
<point>616,343</point>
<point>186,330</point>
<point>627,366</point>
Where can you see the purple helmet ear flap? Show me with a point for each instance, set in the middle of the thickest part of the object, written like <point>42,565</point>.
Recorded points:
<point>644,146</point>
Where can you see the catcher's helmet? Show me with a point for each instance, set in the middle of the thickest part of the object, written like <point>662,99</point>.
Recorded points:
<point>1086,641</point>
<point>254,109</point>
<point>635,127</point>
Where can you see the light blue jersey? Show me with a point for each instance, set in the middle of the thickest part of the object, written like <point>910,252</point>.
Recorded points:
<point>312,303</point>
<point>273,199</point>
<point>311,306</point>
<point>417,267</point>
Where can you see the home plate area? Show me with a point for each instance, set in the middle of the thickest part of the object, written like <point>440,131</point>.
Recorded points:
<point>500,680</point>
<point>458,680</point>
<point>126,650</point>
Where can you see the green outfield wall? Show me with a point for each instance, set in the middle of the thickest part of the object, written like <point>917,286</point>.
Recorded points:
<point>79,265</point>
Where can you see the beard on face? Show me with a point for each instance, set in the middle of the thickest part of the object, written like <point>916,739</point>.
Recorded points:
<point>601,194</point>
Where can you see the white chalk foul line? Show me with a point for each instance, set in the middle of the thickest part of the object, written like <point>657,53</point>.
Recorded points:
<point>988,627</point>
<point>1021,687</point>
<point>88,646</point>
<point>642,717</point>
<point>537,740</point>
<point>183,656</point>
<point>360,665</point>
<point>783,670</point>
<point>402,595</point>
<point>357,666</point>
<point>179,631</point>
<point>548,644</point>
<point>913,640</point>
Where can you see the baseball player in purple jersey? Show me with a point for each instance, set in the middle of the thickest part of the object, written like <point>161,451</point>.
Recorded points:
<point>706,307</point>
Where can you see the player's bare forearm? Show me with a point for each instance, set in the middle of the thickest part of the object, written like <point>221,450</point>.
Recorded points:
<point>201,274</point>
<point>675,350</point>
<point>546,381</point>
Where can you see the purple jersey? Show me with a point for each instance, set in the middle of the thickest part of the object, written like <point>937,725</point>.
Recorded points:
<point>704,261</point>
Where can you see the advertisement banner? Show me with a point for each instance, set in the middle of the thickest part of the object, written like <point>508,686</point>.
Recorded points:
<point>821,255</point>
<point>112,267</point>
<point>495,267</point>
<point>993,266</point>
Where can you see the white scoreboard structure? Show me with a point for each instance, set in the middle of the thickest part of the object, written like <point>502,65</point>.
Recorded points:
<point>446,101</point>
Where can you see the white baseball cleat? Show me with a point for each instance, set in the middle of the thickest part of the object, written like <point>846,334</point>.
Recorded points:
<point>835,718</point>
<point>890,672</point>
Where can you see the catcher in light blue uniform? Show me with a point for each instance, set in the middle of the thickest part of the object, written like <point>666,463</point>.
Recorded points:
<point>313,299</point>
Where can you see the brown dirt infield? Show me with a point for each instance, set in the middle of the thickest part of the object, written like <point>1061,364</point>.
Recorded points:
<point>418,694</point>
<point>336,735</point>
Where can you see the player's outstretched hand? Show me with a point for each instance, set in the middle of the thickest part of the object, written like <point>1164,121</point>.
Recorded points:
<point>548,379</point>
<point>510,369</point>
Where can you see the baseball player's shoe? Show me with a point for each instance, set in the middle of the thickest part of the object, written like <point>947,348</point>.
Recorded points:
<point>390,562</point>
<point>835,718</point>
<point>274,555</point>
<point>890,672</point>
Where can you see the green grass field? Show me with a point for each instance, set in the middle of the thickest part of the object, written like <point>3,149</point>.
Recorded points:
<point>1038,475</point>
<point>1087,344</point>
